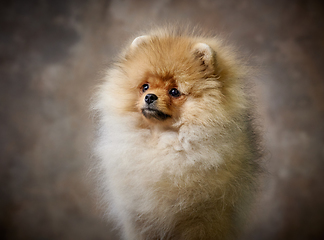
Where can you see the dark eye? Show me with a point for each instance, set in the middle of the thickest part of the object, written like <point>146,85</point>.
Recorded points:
<point>145,87</point>
<point>174,92</point>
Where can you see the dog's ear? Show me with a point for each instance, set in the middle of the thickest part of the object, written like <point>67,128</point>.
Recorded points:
<point>139,40</point>
<point>206,55</point>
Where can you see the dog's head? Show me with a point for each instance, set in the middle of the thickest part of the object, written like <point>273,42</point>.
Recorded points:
<point>171,71</point>
<point>167,80</point>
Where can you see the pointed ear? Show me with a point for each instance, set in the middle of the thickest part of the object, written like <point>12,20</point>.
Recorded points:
<point>206,55</point>
<point>139,40</point>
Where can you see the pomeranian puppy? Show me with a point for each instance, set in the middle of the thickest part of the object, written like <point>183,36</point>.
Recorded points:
<point>176,146</point>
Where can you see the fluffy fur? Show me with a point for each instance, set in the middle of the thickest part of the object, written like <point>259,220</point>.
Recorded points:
<point>184,166</point>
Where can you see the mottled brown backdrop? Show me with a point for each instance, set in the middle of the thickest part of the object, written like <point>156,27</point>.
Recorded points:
<point>51,55</point>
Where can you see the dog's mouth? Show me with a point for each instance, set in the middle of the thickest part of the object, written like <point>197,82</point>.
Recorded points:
<point>154,113</point>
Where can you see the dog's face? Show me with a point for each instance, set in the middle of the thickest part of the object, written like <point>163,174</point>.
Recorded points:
<point>160,99</point>
<point>167,80</point>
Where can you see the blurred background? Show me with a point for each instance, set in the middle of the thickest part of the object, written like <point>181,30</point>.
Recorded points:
<point>51,57</point>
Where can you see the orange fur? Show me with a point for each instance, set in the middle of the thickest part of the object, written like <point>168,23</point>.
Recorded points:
<point>188,175</point>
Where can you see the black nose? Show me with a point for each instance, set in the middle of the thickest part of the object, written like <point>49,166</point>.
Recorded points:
<point>150,98</point>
